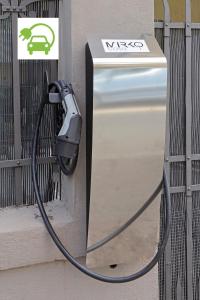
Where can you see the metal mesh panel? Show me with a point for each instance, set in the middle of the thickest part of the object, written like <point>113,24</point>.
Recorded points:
<point>196,172</point>
<point>44,9</point>
<point>195,91</point>
<point>178,249</point>
<point>177,92</point>
<point>7,193</point>
<point>31,91</point>
<point>177,276</point>
<point>49,185</point>
<point>196,164</point>
<point>31,82</point>
<point>196,244</point>
<point>177,174</point>
<point>31,78</point>
<point>181,258</point>
<point>162,265</point>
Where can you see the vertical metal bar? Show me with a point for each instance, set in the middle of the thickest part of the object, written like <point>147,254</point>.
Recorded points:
<point>179,290</point>
<point>52,12</point>
<point>168,279</point>
<point>188,103</point>
<point>17,110</point>
<point>53,76</point>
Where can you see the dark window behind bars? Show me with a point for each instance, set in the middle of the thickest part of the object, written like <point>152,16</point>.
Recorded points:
<point>26,77</point>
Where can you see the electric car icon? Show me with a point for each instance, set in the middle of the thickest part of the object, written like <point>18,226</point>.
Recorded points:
<point>39,43</point>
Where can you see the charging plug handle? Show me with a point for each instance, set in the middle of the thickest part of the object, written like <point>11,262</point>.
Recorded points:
<point>68,139</point>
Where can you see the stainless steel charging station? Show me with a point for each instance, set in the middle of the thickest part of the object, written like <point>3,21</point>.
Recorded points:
<point>126,112</point>
<point>125,137</point>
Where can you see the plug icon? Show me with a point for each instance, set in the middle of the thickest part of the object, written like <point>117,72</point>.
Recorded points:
<point>25,33</point>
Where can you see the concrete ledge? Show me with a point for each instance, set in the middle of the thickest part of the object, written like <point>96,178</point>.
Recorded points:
<point>25,241</point>
<point>60,280</point>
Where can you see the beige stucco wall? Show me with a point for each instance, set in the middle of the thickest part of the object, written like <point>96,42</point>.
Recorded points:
<point>31,267</point>
<point>60,281</point>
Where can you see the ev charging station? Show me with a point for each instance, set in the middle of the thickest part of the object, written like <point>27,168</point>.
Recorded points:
<point>126,116</point>
<point>126,92</point>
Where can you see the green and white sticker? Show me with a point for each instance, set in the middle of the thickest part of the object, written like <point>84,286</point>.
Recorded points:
<point>38,38</point>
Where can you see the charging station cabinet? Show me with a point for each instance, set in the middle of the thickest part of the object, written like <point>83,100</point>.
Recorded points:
<point>125,128</point>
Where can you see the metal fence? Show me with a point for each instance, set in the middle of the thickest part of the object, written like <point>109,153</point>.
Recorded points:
<point>20,95</point>
<point>179,270</point>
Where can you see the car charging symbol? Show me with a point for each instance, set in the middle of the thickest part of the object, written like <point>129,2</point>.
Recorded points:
<point>37,42</point>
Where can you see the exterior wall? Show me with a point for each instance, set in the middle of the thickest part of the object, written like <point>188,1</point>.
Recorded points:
<point>59,280</point>
<point>31,267</point>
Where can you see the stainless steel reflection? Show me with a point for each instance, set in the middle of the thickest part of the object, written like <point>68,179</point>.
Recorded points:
<point>129,108</point>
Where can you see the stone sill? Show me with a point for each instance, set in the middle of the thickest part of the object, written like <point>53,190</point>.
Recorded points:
<point>24,239</point>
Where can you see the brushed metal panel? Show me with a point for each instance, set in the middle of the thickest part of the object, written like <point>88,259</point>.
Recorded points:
<point>129,108</point>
